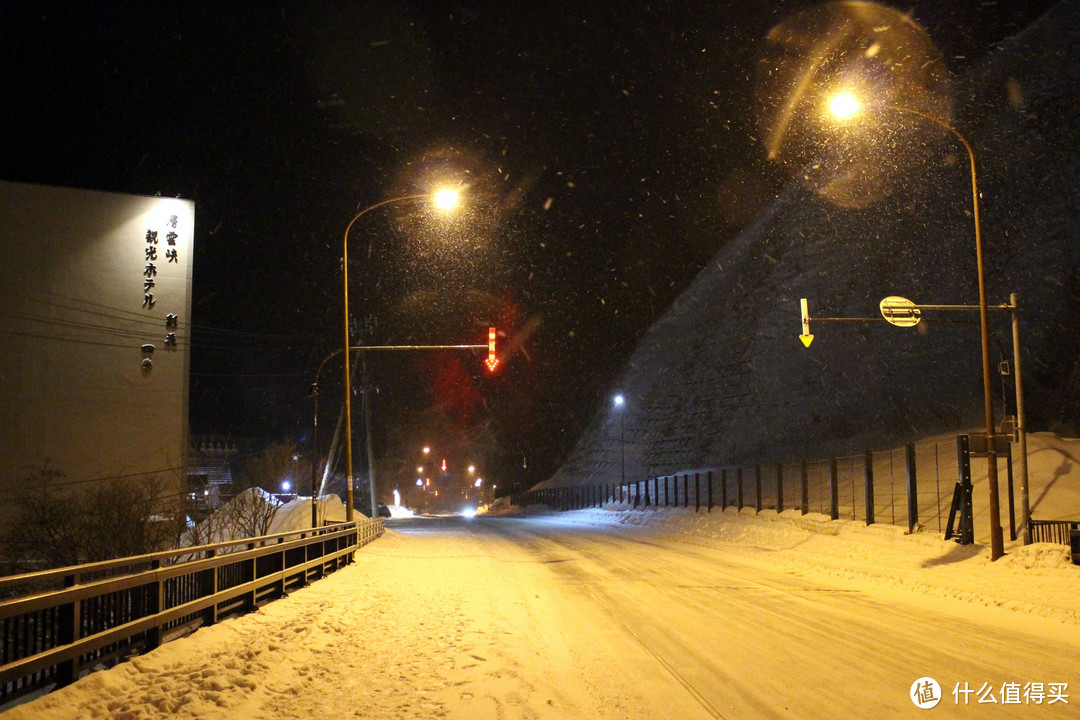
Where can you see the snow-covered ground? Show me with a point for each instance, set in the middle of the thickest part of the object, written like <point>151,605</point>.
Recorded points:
<point>621,613</point>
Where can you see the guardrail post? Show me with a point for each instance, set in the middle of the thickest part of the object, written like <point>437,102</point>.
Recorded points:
<point>208,587</point>
<point>697,492</point>
<point>757,485</point>
<point>723,488</point>
<point>834,490</point>
<point>156,605</point>
<point>739,486</point>
<point>779,488</point>
<point>868,475</point>
<point>709,483</point>
<point>912,490</point>
<point>804,488</point>
<point>69,623</point>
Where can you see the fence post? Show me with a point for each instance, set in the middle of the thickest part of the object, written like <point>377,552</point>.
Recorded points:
<point>647,499</point>
<point>804,488</point>
<point>757,486</point>
<point>868,475</point>
<point>708,480</point>
<point>209,587</point>
<point>834,490</point>
<point>723,488</point>
<point>779,488</point>
<point>739,486</point>
<point>68,630</point>
<point>656,490</point>
<point>697,492</point>
<point>157,602</point>
<point>686,490</point>
<point>912,490</point>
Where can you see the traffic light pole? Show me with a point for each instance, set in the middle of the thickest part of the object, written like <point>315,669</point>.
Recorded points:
<point>491,361</point>
<point>904,313</point>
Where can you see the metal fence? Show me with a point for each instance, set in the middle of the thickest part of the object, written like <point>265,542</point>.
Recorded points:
<point>57,624</point>
<point>910,487</point>
<point>1053,531</point>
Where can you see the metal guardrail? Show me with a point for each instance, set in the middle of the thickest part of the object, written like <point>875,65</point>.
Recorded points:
<point>57,624</point>
<point>1053,531</point>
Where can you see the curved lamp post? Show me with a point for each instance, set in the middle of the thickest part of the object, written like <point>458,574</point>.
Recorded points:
<point>844,106</point>
<point>443,200</point>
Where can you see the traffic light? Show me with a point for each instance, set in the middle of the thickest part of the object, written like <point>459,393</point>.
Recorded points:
<point>491,361</point>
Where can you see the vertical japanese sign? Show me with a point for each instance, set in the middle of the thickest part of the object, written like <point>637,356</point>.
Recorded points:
<point>166,242</point>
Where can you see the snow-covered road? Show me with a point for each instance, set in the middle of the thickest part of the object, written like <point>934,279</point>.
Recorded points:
<point>541,618</point>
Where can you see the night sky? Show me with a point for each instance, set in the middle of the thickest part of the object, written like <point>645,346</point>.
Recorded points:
<point>606,152</point>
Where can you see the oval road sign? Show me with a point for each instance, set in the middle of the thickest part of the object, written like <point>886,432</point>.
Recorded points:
<point>899,311</point>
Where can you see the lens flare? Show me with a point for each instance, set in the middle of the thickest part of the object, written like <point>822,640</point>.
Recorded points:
<point>837,60</point>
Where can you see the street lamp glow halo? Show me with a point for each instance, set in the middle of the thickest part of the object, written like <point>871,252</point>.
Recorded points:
<point>844,105</point>
<point>446,199</point>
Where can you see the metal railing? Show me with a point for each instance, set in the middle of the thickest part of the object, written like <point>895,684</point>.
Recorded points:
<point>57,624</point>
<point>903,487</point>
<point>1053,531</point>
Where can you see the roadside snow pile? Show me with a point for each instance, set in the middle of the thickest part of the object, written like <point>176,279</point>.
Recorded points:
<point>255,512</point>
<point>296,514</point>
<point>1038,580</point>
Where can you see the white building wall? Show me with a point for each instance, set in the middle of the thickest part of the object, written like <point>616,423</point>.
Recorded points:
<point>87,281</point>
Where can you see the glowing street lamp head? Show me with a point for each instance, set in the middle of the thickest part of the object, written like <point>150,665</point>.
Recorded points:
<point>446,199</point>
<point>618,400</point>
<point>843,106</point>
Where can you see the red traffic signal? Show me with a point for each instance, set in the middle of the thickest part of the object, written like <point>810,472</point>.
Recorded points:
<point>491,361</point>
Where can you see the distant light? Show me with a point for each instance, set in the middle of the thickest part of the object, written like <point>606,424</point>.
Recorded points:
<point>285,486</point>
<point>419,482</point>
<point>446,199</point>
<point>479,482</point>
<point>618,400</point>
<point>444,464</point>
<point>843,106</point>
<point>468,513</point>
<point>420,469</point>
<point>472,469</point>
<point>426,449</point>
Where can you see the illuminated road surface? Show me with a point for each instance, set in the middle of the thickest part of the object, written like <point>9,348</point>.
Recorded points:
<point>501,618</point>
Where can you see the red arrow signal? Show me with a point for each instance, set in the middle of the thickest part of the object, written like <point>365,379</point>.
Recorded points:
<point>491,360</point>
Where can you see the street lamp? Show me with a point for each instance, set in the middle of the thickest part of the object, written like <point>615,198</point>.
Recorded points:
<point>846,105</point>
<point>443,200</point>
<point>618,401</point>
